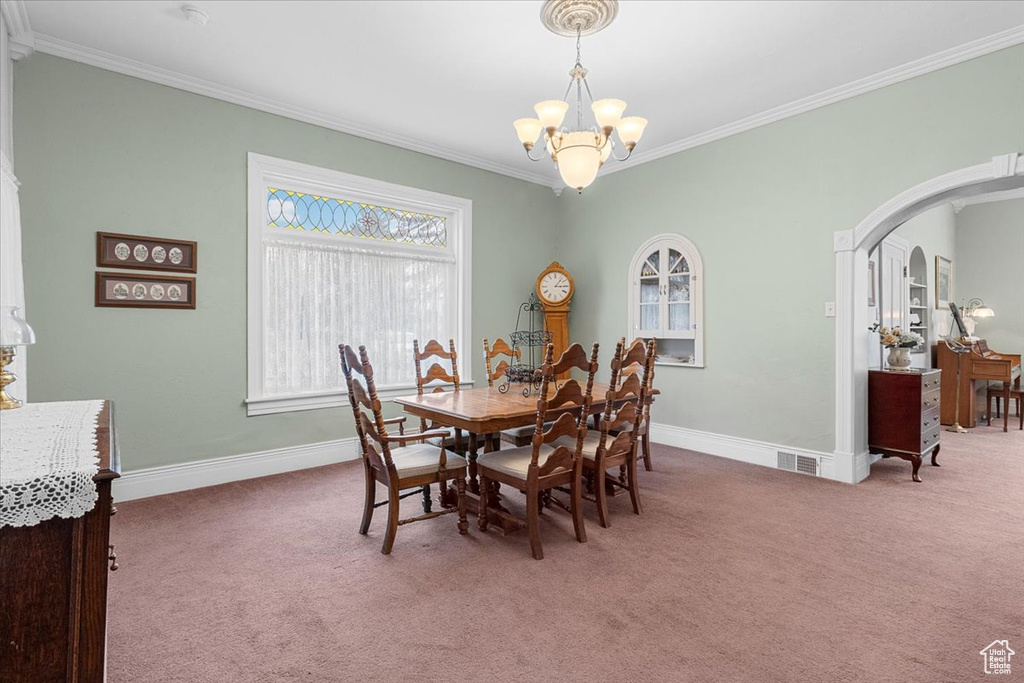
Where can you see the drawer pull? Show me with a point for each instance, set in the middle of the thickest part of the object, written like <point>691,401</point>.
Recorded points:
<point>113,559</point>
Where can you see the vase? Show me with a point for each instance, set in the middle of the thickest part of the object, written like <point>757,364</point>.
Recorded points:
<point>899,358</point>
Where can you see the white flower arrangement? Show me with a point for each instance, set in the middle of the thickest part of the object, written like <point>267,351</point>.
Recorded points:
<point>897,338</point>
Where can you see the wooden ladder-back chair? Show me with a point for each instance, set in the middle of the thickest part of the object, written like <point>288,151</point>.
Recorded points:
<point>425,381</point>
<point>545,464</point>
<point>637,349</point>
<point>518,436</point>
<point>615,444</point>
<point>404,467</point>
<point>500,348</point>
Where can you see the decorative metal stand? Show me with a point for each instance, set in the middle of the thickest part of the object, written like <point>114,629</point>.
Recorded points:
<point>530,341</point>
<point>959,348</point>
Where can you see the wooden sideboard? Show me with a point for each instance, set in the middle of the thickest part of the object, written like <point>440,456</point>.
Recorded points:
<point>53,581</point>
<point>903,414</point>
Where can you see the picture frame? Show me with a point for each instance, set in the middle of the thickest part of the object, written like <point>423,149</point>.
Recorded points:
<point>137,290</point>
<point>943,282</point>
<point>139,252</point>
<point>871,283</point>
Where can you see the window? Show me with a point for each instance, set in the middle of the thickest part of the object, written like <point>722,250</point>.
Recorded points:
<point>666,299</point>
<point>338,258</point>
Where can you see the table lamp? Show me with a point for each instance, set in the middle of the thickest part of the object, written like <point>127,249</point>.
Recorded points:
<point>14,331</point>
<point>975,308</point>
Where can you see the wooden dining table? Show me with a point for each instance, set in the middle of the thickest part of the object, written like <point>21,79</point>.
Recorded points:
<point>484,412</point>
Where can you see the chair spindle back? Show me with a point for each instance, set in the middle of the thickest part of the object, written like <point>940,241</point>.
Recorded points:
<point>572,402</point>
<point>370,429</point>
<point>501,348</point>
<point>436,372</point>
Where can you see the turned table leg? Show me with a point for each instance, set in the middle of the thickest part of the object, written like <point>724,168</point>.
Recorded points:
<point>474,484</point>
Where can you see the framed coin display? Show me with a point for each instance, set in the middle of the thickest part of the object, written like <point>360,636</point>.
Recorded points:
<point>134,290</point>
<point>139,252</point>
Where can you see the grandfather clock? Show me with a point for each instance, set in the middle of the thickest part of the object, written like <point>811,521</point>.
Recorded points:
<point>555,288</point>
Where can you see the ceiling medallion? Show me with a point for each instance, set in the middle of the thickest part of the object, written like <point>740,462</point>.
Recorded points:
<point>579,151</point>
<point>583,17</point>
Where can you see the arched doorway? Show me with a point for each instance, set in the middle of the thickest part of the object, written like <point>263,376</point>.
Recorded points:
<point>1005,172</point>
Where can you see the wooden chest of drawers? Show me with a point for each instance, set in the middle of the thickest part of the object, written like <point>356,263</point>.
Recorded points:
<point>903,414</point>
<point>53,586</point>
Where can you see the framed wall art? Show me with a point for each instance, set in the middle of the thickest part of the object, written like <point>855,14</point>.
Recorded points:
<point>134,290</point>
<point>943,282</point>
<point>139,252</point>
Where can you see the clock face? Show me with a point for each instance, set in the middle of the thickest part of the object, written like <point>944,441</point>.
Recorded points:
<point>555,287</point>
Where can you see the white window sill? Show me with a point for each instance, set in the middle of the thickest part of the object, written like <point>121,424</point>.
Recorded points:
<point>315,401</point>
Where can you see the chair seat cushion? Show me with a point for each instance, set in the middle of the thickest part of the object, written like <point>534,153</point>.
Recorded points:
<point>523,432</point>
<point>514,461</point>
<point>590,444</point>
<point>417,459</point>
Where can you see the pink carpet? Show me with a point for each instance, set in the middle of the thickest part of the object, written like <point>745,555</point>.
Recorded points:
<point>735,572</point>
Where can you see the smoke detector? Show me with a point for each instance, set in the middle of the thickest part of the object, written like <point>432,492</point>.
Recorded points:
<point>194,15</point>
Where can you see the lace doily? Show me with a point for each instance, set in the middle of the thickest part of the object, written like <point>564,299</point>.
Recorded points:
<point>48,457</point>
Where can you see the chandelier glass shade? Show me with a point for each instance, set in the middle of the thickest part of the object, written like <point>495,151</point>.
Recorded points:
<point>579,151</point>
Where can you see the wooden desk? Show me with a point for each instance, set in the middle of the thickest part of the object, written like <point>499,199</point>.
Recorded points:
<point>979,364</point>
<point>54,581</point>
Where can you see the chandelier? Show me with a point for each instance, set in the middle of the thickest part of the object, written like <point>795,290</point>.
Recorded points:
<point>580,151</point>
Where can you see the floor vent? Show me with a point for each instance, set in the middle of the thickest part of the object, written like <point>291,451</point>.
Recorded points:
<point>804,464</point>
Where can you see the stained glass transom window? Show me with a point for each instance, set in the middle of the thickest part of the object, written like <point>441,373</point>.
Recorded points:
<point>313,213</point>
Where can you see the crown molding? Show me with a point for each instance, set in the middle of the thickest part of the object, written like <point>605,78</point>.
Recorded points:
<point>960,204</point>
<point>198,86</point>
<point>15,14</point>
<point>136,69</point>
<point>919,67</point>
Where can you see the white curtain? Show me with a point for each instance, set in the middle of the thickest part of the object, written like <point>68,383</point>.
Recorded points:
<point>319,295</point>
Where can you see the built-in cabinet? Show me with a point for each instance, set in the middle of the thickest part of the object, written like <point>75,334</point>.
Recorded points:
<point>666,297</point>
<point>919,302</point>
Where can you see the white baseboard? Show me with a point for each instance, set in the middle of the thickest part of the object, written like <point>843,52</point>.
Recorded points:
<point>734,447</point>
<point>156,481</point>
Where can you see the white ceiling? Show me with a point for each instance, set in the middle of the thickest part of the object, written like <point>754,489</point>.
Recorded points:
<point>449,77</point>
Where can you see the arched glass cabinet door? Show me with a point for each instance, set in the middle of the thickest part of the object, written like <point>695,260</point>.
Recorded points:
<point>665,298</point>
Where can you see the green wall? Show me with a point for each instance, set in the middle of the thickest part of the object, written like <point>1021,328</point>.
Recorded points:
<point>990,265</point>
<point>97,151</point>
<point>762,207</point>
<point>101,151</point>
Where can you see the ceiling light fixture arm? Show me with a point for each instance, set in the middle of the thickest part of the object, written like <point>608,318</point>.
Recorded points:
<point>579,150</point>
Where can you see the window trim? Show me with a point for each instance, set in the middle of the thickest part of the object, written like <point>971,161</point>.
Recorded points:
<point>264,171</point>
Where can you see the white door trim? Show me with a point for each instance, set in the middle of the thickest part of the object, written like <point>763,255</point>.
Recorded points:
<point>1005,172</point>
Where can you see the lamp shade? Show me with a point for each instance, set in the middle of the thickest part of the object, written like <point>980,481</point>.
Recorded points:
<point>631,129</point>
<point>14,331</point>
<point>528,130</point>
<point>551,112</point>
<point>982,311</point>
<point>579,159</point>
<point>608,112</point>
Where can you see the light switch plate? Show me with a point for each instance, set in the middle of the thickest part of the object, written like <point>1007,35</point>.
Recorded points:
<point>830,309</point>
